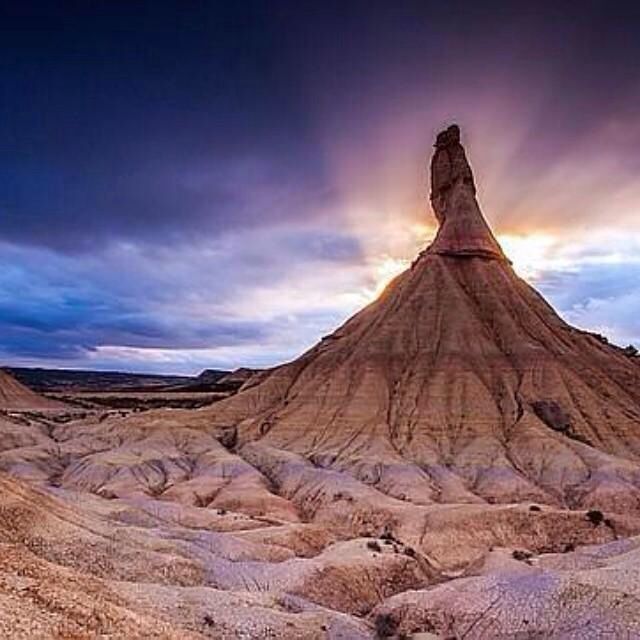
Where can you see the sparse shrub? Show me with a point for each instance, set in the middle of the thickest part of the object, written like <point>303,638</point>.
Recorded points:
<point>595,517</point>
<point>521,555</point>
<point>208,620</point>
<point>410,551</point>
<point>200,501</point>
<point>534,507</point>
<point>569,547</point>
<point>222,512</point>
<point>387,536</point>
<point>374,546</point>
<point>155,491</point>
<point>228,437</point>
<point>386,625</point>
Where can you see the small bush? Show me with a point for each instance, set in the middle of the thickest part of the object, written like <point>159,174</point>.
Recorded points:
<point>569,547</point>
<point>410,551</point>
<point>519,554</point>
<point>385,625</point>
<point>595,517</point>
<point>200,501</point>
<point>374,546</point>
<point>534,507</point>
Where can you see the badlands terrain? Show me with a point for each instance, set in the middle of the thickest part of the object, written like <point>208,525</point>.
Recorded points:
<point>455,461</point>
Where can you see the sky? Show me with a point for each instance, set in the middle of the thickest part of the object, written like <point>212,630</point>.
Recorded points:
<point>219,184</point>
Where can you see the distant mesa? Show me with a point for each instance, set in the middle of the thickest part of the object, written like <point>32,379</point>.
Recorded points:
<point>210,376</point>
<point>238,378</point>
<point>223,381</point>
<point>45,380</point>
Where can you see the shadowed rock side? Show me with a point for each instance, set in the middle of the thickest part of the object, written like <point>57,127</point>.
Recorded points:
<point>436,465</point>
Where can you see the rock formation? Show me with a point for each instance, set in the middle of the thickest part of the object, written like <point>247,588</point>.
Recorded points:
<point>455,459</point>
<point>459,384</point>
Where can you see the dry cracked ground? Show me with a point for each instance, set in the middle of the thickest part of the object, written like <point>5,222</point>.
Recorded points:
<point>140,528</point>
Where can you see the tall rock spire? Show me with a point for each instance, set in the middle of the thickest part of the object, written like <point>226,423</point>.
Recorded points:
<point>463,230</point>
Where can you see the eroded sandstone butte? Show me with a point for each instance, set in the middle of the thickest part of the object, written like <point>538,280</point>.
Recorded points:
<point>455,460</point>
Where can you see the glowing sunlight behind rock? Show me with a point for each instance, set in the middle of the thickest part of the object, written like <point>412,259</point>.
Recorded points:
<point>528,253</point>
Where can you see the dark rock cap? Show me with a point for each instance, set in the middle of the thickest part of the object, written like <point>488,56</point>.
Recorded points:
<point>463,230</point>
<point>448,137</point>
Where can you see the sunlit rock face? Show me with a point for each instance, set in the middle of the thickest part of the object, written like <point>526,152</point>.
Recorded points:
<point>454,443</point>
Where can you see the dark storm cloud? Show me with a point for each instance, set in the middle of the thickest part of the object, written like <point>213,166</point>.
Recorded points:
<point>147,123</point>
<point>159,121</point>
<point>89,207</point>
